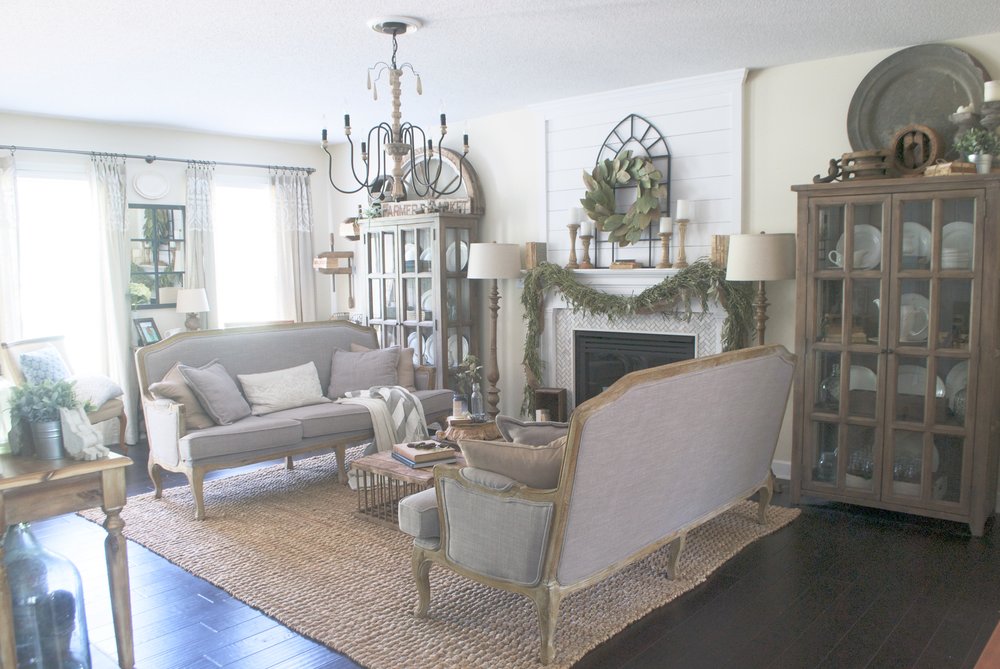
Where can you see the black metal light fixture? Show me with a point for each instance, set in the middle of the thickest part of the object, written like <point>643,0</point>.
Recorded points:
<point>390,144</point>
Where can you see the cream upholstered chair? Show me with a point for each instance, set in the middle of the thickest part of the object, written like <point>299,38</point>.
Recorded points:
<point>657,454</point>
<point>11,359</point>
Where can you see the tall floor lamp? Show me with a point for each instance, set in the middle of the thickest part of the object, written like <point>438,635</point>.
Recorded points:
<point>494,261</point>
<point>761,258</point>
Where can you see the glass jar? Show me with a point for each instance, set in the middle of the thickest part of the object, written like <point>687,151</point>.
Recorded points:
<point>50,626</point>
<point>829,388</point>
<point>476,407</point>
<point>459,405</point>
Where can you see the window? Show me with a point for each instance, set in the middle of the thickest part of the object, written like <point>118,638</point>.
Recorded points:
<point>246,255</point>
<point>60,262</point>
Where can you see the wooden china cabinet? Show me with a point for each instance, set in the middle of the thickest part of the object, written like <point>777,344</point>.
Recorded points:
<point>896,394</point>
<point>416,289</point>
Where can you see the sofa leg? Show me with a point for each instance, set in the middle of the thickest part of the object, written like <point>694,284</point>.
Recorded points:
<point>122,424</point>
<point>340,452</point>
<point>547,600</point>
<point>422,576</point>
<point>156,476</point>
<point>197,480</point>
<point>674,551</point>
<point>764,499</point>
<point>289,463</point>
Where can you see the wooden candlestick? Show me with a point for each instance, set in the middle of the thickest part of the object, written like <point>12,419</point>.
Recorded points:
<point>681,256</point>
<point>573,227</point>
<point>585,242</point>
<point>665,251</point>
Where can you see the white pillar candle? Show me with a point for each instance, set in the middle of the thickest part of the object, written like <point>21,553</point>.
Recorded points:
<point>685,210</point>
<point>666,224</point>
<point>586,227</point>
<point>991,91</point>
<point>575,214</point>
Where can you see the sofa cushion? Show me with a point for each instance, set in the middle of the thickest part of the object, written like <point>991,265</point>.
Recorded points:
<point>418,515</point>
<point>43,364</point>
<point>405,376</point>
<point>268,392</point>
<point>362,370</point>
<point>253,433</point>
<point>216,391</point>
<point>534,466</point>
<point>97,390</point>
<point>173,387</point>
<point>535,433</point>
<point>435,401</point>
<point>319,420</point>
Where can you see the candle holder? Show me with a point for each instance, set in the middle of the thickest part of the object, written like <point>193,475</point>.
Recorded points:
<point>585,242</point>
<point>682,224</point>
<point>664,251</point>
<point>572,264</point>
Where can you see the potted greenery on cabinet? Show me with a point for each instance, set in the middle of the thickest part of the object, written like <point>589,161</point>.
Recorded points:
<point>38,404</point>
<point>980,146</point>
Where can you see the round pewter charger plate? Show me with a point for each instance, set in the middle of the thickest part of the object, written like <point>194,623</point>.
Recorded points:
<point>922,84</point>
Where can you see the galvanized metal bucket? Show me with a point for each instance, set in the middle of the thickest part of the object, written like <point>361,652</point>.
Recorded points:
<point>47,439</point>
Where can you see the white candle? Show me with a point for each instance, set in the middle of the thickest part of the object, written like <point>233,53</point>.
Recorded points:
<point>575,214</point>
<point>666,224</point>
<point>685,210</point>
<point>991,91</point>
<point>586,227</point>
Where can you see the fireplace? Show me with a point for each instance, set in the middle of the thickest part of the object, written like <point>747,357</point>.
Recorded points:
<point>603,357</point>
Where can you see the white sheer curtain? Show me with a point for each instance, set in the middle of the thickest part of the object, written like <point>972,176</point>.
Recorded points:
<point>199,247</point>
<point>108,187</point>
<point>292,196</point>
<point>10,309</point>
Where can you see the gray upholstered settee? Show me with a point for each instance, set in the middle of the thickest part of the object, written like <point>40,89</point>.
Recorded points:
<point>660,452</point>
<point>256,438</point>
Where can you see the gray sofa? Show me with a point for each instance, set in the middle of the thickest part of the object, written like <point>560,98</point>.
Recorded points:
<point>256,438</point>
<point>657,454</point>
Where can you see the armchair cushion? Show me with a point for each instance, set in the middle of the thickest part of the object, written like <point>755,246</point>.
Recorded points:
<point>534,466</point>
<point>97,390</point>
<point>405,375</point>
<point>216,391</point>
<point>362,370</point>
<point>535,433</point>
<point>418,515</point>
<point>173,387</point>
<point>283,389</point>
<point>43,364</point>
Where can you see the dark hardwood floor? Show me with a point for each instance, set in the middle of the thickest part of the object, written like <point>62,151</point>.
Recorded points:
<point>840,587</point>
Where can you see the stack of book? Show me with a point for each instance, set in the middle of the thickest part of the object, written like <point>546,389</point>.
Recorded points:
<point>423,453</point>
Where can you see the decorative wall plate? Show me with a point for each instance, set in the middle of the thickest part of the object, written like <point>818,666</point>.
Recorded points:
<point>922,84</point>
<point>151,185</point>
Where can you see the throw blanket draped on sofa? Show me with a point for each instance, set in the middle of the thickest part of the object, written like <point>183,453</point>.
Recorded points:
<point>397,417</point>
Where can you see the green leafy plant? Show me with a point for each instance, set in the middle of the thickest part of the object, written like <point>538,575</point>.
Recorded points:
<point>599,202</point>
<point>139,293</point>
<point>978,141</point>
<point>701,281</point>
<point>469,374</point>
<point>40,402</point>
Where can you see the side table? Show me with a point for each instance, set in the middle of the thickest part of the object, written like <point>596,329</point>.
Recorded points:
<point>383,481</point>
<point>486,431</point>
<point>32,490</point>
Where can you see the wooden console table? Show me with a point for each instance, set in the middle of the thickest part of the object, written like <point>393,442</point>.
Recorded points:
<point>32,490</point>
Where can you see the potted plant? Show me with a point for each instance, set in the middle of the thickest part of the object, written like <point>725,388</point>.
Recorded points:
<point>468,378</point>
<point>980,145</point>
<point>38,404</point>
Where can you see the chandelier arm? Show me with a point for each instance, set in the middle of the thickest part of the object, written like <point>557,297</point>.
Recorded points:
<point>329,174</point>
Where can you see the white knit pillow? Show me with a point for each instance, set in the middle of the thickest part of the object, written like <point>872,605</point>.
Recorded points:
<point>282,389</point>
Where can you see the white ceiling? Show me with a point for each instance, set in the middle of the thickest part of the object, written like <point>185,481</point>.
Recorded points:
<point>275,69</point>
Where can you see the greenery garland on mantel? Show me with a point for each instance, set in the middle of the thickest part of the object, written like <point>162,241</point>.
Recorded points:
<point>700,280</point>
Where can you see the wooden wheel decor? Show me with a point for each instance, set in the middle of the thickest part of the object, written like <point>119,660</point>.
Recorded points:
<point>633,157</point>
<point>914,148</point>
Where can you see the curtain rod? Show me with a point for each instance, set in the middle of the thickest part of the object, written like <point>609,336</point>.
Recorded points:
<point>152,159</point>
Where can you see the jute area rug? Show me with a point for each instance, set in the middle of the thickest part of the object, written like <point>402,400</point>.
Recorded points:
<point>288,543</point>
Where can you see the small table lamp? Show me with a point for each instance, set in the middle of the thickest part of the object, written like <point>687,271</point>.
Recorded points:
<point>192,301</point>
<point>761,258</point>
<point>494,261</point>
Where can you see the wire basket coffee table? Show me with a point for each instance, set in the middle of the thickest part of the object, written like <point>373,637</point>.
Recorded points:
<point>383,481</point>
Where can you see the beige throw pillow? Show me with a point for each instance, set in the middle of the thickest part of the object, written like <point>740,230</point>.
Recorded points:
<point>404,368</point>
<point>282,389</point>
<point>535,433</point>
<point>534,466</point>
<point>361,371</point>
<point>173,387</point>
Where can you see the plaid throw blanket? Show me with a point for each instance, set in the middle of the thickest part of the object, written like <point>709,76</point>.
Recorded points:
<point>397,414</point>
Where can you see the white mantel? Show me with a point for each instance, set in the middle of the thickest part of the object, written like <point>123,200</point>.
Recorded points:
<point>561,321</point>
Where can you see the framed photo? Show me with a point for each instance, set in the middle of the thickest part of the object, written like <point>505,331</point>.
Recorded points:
<point>148,333</point>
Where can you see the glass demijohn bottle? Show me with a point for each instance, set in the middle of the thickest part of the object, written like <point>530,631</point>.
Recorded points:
<point>476,404</point>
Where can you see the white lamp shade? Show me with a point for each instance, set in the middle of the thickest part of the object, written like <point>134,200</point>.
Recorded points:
<point>494,261</point>
<point>761,257</point>
<point>192,300</point>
